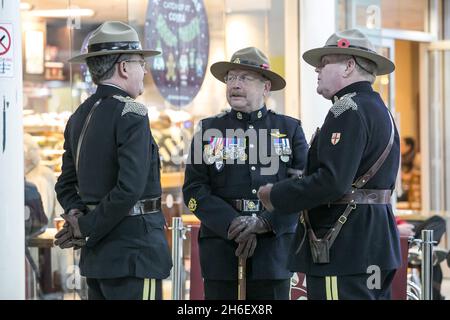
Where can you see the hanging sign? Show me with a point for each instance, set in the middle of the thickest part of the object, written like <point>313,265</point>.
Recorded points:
<point>179,29</point>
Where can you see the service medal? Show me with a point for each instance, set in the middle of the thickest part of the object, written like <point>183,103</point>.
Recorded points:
<point>278,146</point>
<point>286,147</point>
<point>284,158</point>
<point>243,156</point>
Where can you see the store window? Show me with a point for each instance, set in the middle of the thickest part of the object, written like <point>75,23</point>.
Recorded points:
<point>179,89</point>
<point>384,14</point>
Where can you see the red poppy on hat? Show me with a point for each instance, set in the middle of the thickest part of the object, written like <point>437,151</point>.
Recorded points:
<point>343,43</point>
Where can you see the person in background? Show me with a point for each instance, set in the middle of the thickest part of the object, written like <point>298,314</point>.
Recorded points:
<point>414,229</point>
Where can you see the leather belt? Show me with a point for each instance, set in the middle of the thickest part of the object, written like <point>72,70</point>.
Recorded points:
<point>246,205</point>
<point>365,196</point>
<point>144,206</point>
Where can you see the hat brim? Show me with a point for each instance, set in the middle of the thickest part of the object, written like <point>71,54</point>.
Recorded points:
<point>220,69</point>
<point>314,57</point>
<point>82,57</point>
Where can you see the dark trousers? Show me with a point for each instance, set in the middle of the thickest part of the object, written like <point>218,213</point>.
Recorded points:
<point>128,288</point>
<point>256,289</point>
<point>350,287</point>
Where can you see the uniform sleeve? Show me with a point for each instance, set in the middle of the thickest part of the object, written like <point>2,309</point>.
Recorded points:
<point>213,212</point>
<point>133,149</point>
<point>340,148</point>
<point>66,186</point>
<point>282,223</point>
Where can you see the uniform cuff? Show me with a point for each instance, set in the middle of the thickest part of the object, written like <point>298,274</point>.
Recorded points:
<point>86,224</point>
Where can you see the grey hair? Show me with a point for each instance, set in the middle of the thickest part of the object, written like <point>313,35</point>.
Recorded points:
<point>366,68</point>
<point>103,67</point>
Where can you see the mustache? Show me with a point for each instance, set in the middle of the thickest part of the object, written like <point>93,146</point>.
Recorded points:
<point>237,94</point>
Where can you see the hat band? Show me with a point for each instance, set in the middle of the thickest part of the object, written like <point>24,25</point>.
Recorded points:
<point>112,46</point>
<point>251,63</point>
<point>351,46</point>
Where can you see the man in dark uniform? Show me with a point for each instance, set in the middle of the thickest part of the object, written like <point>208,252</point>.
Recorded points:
<point>110,182</point>
<point>350,173</point>
<point>232,155</point>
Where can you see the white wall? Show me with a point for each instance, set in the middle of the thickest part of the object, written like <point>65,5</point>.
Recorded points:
<point>12,257</point>
<point>317,23</point>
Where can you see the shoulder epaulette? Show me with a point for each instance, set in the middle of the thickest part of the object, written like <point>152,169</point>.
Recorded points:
<point>132,106</point>
<point>343,104</point>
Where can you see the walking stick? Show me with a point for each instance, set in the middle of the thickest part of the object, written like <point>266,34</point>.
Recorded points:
<point>242,278</point>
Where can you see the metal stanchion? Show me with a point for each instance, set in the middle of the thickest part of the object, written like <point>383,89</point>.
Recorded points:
<point>427,264</point>
<point>178,235</point>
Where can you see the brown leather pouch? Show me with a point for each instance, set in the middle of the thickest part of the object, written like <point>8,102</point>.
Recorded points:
<point>320,248</point>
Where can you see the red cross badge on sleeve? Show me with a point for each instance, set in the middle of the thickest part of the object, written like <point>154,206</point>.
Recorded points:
<point>335,137</point>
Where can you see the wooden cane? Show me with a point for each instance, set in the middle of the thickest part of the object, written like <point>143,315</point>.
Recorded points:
<point>242,278</point>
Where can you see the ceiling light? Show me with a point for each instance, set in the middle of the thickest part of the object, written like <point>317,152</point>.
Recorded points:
<point>25,6</point>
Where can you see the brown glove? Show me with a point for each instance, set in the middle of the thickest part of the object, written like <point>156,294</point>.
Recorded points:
<point>264,196</point>
<point>242,227</point>
<point>70,235</point>
<point>246,248</point>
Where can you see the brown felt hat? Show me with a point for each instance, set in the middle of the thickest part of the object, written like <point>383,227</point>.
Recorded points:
<point>350,42</point>
<point>113,37</point>
<point>251,59</point>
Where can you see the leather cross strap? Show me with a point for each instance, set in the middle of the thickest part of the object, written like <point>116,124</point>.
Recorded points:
<point>83,132</point>
<point>361,181</point>
<point>366,196</point>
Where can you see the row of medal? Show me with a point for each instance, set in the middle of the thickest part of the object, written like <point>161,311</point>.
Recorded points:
<point>282,148</point>
<point>220,149</point>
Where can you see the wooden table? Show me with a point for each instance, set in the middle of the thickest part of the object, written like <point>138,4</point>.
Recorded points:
<point>44,243</point>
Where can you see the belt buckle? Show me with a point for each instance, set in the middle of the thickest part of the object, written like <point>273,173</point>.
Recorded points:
<point>342,219</point>
<point>138,208</point>
<point>250,205</point>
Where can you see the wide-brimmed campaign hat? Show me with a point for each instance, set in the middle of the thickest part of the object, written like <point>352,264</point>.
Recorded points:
<point>350,42</point>
<point>113,37</point>
<point>251,59</point>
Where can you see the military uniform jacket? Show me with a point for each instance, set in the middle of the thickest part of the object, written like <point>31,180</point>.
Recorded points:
<point>353,136</point>
<point>118,165</point>
<point>207,191</point>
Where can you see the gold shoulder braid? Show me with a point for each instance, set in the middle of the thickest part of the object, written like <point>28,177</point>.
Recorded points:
<point>343,104</point>
<point>132,106</point>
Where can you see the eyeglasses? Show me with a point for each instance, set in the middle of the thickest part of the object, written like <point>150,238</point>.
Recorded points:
<point>230,78</point>
<point>143,63</point>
